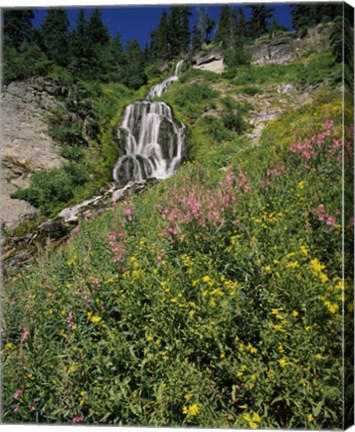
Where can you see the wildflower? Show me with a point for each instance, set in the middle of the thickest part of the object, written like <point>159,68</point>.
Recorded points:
<point>332,307</point>
<point>304,251</point>
<point>267,269</point>
<point>317,266</point>
<point>293,264</point>
<point>301,185</point>
<point>282,362</point>
<point>18,393</point>
<point>25,334</point>
<point>10,345</point>
<point>94,319</point>
<point>77,418</point>
<point>319,356</point>
<point>192,410</point>
<point>129,212</point>
<point>17,408</point>
<point>310,418</point>
<point>295,313</point>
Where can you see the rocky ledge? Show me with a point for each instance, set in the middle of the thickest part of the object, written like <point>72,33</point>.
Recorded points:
<point>26,145</point>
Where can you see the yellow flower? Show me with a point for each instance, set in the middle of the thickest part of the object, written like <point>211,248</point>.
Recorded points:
<point>317,266</point>
<point>10,345</point>
<point>282,362</point>
<point>310,418</point>
<point>319,356</point>
<point>150,338</point>
<point>304,251</point>
<point>253,377</point>
<point>188,396</point>
<point>222,355</point>
<point>173,300</point>
<point>267,269</point>
<point>192,410</point>
<point>332,307</point>
<point>301,184</point>
<point>94,319</point>
<point>256,418</point>
<point>293,264</point>
<point>206,279</point>
<point>295,313</point>
<point>323,277</point>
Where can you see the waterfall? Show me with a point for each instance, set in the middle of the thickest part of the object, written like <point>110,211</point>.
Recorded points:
<point>159,89</point>
<point>153,141</point>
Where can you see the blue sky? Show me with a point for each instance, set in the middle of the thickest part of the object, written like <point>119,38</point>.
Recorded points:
<point>137,22</point>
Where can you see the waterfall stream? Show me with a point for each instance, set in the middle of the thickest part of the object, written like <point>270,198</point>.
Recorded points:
<point>154,145</point>
<point>153,141</point>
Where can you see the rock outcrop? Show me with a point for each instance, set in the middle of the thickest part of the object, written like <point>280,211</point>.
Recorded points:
<point>26,145</point>
<point>212,61</point>
<point>286,47</point>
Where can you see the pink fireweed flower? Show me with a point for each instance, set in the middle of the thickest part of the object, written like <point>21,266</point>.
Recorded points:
<point>70,320</point>
<point>77,418</point>
<point>18,394</point>
<point>17,408</point>
<point>112,237</point>
<point>25,334</point>
<point>129,212</point>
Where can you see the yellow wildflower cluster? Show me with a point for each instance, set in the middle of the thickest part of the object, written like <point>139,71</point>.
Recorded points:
<point>192,410</point>
<point>252,420</point>
<point>94,318</point>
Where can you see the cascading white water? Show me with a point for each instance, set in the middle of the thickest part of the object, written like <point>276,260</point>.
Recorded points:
<point>159,89</point>
<point>153,141</point>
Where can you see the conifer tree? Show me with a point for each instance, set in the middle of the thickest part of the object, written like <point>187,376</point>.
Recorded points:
<point>18,27</point>
<point>54,34</point>
<point>160,39</point>
<point>259,19</point>
<point>135,73</point>
<point>226,34</point>
<point>242,24</point>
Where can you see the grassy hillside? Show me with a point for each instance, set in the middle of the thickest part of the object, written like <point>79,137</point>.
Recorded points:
<point>215,299</point>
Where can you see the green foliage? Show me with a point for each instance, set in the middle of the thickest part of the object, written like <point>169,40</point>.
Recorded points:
<point>249,90</point>
<point>53,34</point>
<point>314,69</point>
<point>73,153</point>
<point>25,62</point>
<point>191,100</point>
<point>245,275</point>
<point>51,188</point>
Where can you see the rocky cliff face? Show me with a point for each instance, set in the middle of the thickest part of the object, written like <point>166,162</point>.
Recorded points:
<point>26,145</point>
<point>287,46</point>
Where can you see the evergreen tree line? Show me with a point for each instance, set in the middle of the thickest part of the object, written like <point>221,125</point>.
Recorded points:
<point>88,51</point>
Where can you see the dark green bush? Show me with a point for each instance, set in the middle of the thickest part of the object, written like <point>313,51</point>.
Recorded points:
<point>73,153</point>
<point>50,188</point>
<point>250,90</point>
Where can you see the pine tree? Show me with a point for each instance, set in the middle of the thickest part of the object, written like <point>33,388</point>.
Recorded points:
<point>54,34</point>
<point>226,34</point>
<point>242,25</point>
<point>196,41</point>
<point>179,33</point>
<point>259,18</point>
<point>303,16</point>
<point>209,25</point>
<point>18,27</point>
<point>135,73</point>
<point>96,30</point>
<point>79,48</point>
<point>160,39</point>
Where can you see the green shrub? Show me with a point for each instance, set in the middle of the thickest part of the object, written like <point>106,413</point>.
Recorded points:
<point>71,152</point>
<point>250,90</point>
<point>50,189</point>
